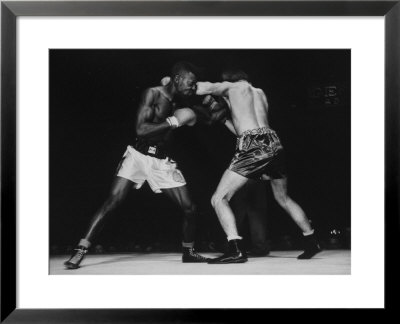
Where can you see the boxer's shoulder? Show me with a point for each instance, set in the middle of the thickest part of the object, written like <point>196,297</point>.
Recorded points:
<point>152,93</point>
<point>242,84</point>
<point>159,91</point>
<point>149,92</point>
<point>153,90</point>
<point>158,88</point>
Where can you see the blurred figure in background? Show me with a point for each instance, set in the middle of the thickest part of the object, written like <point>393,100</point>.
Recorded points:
<point>250,201</point>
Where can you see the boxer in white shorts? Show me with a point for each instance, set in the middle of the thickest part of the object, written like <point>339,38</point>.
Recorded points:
<point>159,173</point>
<point>148,160</point>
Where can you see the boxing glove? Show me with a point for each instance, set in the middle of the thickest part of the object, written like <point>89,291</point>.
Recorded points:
<point>220,115</point>
<point>210,103</point>
<point>185,116</point>
<point>218,110</point>
<point>165,80</point>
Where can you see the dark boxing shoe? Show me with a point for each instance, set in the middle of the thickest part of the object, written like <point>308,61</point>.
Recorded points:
<point>234,254</point>
<point>191,256</point>
<point>76,258</point>
<point>311,248</point>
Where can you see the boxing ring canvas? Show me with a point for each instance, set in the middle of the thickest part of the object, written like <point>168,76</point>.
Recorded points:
<point>89,128</point>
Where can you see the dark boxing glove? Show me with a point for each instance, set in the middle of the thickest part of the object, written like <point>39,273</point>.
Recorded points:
<point>218,110</point>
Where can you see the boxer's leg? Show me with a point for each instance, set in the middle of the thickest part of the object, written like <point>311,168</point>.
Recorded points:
<point>119,190</point>
<point>118,193</point>
<point>239,207</point>
<point>229,184</point>
<point>181,197</point>
<point>279,188</point>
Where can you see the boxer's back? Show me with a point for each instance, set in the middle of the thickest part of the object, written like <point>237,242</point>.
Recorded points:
<point>249,107</point>
<point>261,107</point>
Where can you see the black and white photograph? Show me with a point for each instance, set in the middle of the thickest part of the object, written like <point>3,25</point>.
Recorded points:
<point>200,161</point>
<point>197,160</point>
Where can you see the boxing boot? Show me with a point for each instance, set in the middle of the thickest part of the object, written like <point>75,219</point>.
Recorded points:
<point>189,255</point>
<point>311,247</point>
<point>234,255</point>
<point>76,258</point>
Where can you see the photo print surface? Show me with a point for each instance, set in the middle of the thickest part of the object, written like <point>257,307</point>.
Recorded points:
<point>200,161</point>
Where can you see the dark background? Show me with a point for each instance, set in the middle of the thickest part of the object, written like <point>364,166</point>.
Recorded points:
<point>94,95</point>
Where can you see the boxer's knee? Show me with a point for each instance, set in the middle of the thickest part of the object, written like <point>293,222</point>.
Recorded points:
<point>189,213</point>
<point>217,199</point>
<point>189,209</point>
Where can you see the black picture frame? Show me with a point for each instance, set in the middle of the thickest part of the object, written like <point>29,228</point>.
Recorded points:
<point>10,10</point>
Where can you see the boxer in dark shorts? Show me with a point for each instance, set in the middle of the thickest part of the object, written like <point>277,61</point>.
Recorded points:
<point>259,155</point>
<point>259,152</point>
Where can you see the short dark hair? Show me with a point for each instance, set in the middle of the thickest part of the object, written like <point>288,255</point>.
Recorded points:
<point>234,75</point>
<point>183,66</point>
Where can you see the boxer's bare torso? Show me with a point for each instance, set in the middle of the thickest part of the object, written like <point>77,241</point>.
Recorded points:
<point>155,107</point>
<point>248,105</point>
<point>162,104</point>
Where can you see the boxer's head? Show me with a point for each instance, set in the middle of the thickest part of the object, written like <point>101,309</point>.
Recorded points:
<point>184,78</point>
<point>234,75</point>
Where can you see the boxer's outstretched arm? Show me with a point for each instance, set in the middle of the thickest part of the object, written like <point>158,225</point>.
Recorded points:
<point>217,88</point>
<point>145,126</point>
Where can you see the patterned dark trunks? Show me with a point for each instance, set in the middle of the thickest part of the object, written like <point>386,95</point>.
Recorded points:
<point>259,152</point>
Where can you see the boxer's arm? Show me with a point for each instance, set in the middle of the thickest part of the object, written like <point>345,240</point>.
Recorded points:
<point>216,89</point>
<point>145,126</point>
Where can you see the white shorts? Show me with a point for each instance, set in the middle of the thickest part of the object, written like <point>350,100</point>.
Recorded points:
<point>160,174</point>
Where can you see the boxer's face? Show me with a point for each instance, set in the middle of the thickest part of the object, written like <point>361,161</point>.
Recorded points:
<point>185,83</point>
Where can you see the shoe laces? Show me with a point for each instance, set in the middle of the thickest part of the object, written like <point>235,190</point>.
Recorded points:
<point>80,253</point>
<point>193,253</point>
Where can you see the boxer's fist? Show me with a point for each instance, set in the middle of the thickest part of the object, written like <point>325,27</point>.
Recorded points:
<point>165,80</point>
<point>218,110</point>
<point>210,103</point>
<point>185,116</point>
<point>220,115</point>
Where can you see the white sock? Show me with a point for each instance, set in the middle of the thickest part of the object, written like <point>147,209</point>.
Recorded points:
<point>311,232</point>
<point>85,243</point>
<point>234,237</point>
